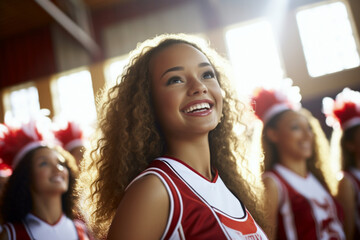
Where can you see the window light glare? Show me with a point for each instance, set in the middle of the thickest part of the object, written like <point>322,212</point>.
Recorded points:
<point>24,103</point>
<point>327,39</point>
<point>115,71</point>
<point>76,97</point>
<point>254,56</point>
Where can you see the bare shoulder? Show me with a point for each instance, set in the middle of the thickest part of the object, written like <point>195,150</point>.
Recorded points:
<point>3,235</point>
<point>272,204</point>
<point>270,184</point>
<point>271,190</point>
<point>143,211</point>
<point>345,182</point>
<point>345,187</point>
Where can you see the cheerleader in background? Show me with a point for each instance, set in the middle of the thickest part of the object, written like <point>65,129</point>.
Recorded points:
<point>343,115</point>
<point>299,204</point>
<point>37,202</point>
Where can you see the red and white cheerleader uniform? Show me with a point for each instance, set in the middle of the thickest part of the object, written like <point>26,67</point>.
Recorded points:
<point>306,209</point>
<point>199,208</point>
<point>354,176</point>
<point>32,228</point>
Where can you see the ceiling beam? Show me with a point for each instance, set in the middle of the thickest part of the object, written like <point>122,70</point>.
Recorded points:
<point>71,27</point>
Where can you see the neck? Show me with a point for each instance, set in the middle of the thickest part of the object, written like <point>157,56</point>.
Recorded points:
<point>298,166</point>
<point>48,209</point>
<point>195,153</point>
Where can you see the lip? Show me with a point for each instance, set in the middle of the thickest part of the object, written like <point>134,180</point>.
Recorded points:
<point>201,113</point>
<point>306,144</point>
<point>197,102</point>
<point>57,179</point>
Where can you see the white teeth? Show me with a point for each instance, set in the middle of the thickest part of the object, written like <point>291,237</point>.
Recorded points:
<point>57,179</point>
<point>198,107</point>
<point>306,145</point>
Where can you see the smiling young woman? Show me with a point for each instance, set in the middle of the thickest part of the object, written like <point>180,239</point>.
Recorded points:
<point>296,165</point>
<point>343,114</point>
<point>38,200</point>
<point>163,166</point>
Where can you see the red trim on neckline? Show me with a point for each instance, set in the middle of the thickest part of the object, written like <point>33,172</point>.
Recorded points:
<point>46,221</point>
<point>192,169</point>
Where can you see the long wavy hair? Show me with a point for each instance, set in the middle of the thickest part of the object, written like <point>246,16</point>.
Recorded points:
<point>16,201</point>
<point>318,164</point>
<point>128,138</point>
<point>348,157</point>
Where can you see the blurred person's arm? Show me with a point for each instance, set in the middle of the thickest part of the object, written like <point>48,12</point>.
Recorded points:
<point>346,198</point>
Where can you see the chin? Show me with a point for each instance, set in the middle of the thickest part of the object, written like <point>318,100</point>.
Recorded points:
<point>61,190</point>
<point>306,156</point>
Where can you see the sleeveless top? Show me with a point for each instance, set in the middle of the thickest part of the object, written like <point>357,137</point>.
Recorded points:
<point>306,209</point>
<point>199,208</point>
<point>32,228</point>
<point>354,176</point>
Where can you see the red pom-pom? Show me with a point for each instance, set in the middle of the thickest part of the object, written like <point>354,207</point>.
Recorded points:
<point>263,100</point>
<point>269,102</point>
<point>70,136</point>
<point>5,170</point>
<point>15,142</point>
<point>344,110</point>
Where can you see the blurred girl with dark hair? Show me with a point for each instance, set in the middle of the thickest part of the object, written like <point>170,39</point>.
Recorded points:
<point>297,178</point>
<point>38,201</point>
<point>343,114</point>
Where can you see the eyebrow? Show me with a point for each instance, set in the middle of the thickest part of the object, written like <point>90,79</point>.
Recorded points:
<point>204,64</point>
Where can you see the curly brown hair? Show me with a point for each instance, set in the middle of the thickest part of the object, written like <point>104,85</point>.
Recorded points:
<point>317,164</point>
<point>128,138</point>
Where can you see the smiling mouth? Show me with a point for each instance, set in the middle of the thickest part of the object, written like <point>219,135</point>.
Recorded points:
<point>200,107</point>
<point>57,179</point>
<point>306,145</point>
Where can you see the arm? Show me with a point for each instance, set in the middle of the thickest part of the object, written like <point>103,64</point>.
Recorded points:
<point>346,198</point>
<point>271,205</point>
<point>143,211</point>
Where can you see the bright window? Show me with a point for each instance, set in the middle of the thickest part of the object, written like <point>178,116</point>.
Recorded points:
<point>254,56</point>
<point>23,103</point>
<point>75,97</point>
<point>327,38</point>
<point>114,70</point>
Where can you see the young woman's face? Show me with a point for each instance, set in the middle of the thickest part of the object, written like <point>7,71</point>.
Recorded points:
<point>186,94</point>
<point>49,174</point>
<point>293,136</point>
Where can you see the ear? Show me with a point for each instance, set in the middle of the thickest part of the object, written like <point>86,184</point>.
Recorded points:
<point>272,135</point>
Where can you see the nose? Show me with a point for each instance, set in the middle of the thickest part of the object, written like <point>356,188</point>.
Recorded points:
<point>58,167</point>
<point>196,87</point>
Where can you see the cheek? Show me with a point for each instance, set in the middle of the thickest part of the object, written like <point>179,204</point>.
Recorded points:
<point>165,104</point>
<point>38,178</point>
<point>287,139</point>
<point>217,93</point>
<point>66,174</point>
<point>40,175</point>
